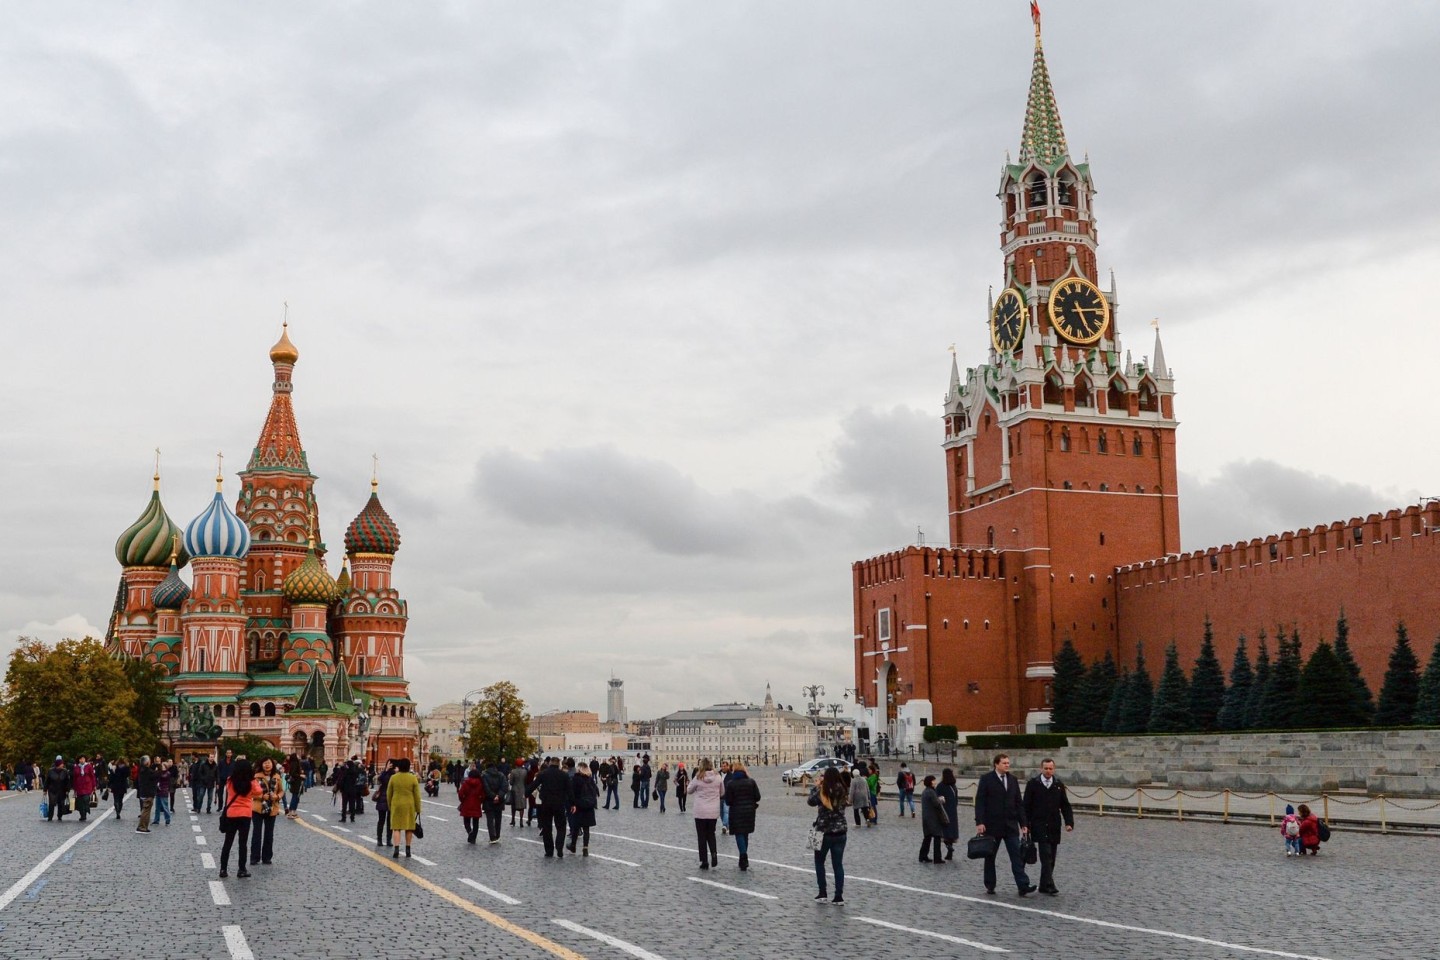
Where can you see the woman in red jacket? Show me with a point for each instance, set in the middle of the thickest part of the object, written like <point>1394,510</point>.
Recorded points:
<point>1309,831</point>
<point>472,803</point>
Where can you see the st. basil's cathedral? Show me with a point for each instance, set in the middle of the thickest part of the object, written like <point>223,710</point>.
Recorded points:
<point>263,639</point>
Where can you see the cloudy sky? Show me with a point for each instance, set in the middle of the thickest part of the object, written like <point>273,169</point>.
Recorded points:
<point>645,307</point>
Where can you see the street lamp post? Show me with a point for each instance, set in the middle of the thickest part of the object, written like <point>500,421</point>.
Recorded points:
<point>814,692</point>
<point>364,716</point>
<point>466,702</point>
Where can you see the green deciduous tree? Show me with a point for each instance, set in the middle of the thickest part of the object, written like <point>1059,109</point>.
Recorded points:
<point>1242,677</point>
<point>1325,692</point>
<point>1402,684</point>
<point>1282,689</point>
<point>1065,705</point>
<point>1207,685</point>
<point>1363,702</point>
<point>1255,705</point>
<point>68,699</point>
<point>1170,707</point>
<point>1139,694</point>
<point>498,726</point>
<point>1427,702</point>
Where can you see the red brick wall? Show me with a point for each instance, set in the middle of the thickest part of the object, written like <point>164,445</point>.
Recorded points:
<point>1391,574</point>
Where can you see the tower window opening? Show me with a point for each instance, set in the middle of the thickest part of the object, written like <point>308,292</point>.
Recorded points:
<point>1104,488</point>
<point>1064,441</point>
<point>254,709</point>
<point>1103,443</point>
<point>1068,485</point>
<point>1138,447</point>
<point>1035,189</point>
<point>1054,391</point>
<point>1102,540</point>
<point>1084,397</point>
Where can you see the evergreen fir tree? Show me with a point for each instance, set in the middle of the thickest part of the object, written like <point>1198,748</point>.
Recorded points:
<point>1138,697</point>
<point>1100,682</point>
<point>1282,705</point>
<point>1325,693</point>
<point>1427,703</point>
<point>1255,704</point>
<point>1065,706</point>
<point>1170,709</point>
<point>1362,709</point>
<point>1232,714</point>
<point>1207,685</point>
<point>1402,684</point>
<point>1119,690</point>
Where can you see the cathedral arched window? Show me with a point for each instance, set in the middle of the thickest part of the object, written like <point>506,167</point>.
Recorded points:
<point>230,710</point>
<point>254,709</point>
<point>270,709</point>
<point>260,580</point>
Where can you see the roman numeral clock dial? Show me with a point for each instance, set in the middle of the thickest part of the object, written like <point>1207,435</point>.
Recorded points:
<point>1078,310</point>
<point>1007,320</point>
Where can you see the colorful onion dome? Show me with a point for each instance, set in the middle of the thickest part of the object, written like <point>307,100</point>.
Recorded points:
<point>372,531</point>
<point>217,532</point>
<point>172,591</point>
<point>146,542</point>
<point>342,582</point>
<point>310,582</point>
<point>284,351</point>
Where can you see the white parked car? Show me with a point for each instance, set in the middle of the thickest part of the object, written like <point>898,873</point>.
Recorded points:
<point>814,769</point>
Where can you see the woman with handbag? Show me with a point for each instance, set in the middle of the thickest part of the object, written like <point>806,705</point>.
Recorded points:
<point>829,832</point>
<point>264,809</point>
<point>402,796</point>
<point>236,807</point>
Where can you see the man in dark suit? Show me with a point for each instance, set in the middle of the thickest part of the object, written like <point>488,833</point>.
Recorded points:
<point>1045,803</point>
<point>1000,813</point>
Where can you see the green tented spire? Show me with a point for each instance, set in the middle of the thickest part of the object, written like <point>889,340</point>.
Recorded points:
<point>316,695</point>
<point>1044,137</point>
<point>340,690</point>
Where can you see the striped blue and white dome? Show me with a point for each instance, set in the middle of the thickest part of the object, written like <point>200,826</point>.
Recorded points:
<point>217,532</point>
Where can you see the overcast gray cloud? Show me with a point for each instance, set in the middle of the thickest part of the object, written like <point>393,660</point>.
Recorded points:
<point>645,307</point>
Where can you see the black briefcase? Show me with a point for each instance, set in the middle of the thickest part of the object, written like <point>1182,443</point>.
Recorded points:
<point>1028,850</point>
<point>981,846</point>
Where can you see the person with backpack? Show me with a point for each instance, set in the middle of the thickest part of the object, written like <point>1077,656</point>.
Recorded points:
<point>57,790</point>
<point>1312,832</point>
<point>1290,830</point>
<point>497,784</point>
<point>905,783</point>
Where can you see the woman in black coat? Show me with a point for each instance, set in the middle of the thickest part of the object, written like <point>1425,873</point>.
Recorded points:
<point>949,792</point>
<point>582,812</point>
<point>742,796</point>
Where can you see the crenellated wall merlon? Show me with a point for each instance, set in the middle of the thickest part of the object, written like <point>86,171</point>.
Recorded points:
<point>1374,532</point>
<point>980,563</point>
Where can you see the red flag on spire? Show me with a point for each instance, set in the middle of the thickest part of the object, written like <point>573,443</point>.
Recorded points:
<point>1035,13</point>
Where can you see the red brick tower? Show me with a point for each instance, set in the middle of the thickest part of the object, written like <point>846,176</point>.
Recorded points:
<point>1060,459</point>
<point>1062,447</point>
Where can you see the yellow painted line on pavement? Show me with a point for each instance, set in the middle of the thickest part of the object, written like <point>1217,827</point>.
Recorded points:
<point>495,920</point>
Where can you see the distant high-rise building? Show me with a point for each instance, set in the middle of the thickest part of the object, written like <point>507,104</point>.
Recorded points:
<point>615,702</point>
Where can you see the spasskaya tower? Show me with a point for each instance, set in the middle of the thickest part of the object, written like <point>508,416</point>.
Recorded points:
<point>1060,467</point>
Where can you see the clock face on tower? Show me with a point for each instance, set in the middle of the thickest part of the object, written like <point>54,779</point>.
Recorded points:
<point>1079,310</point>
<point>1007,320</point>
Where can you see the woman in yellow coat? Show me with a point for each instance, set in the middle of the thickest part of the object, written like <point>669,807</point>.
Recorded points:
<point>402,794</point>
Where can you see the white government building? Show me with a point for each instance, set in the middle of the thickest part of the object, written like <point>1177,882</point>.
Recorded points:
<point>766,734</point>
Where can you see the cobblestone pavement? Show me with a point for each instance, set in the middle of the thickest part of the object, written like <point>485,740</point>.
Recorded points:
<point>1130,889</point>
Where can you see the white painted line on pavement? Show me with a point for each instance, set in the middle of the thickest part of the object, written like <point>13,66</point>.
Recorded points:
<point>218,894</point>
<point>598,856</point>
<point>938,936</point>
<point>200,841</point>
<point>194,819</point>
<point>428,863</point>
<point>605,938</point>
<point>207,860</point>
<point>196,827</point>
<point>726,886</point>
<point>315,815</point>
<point>336,826</point>
<point>431,816</point>
<point>25,882</point>
<point>1107,924</point>
<point>689,850</point>
<point>488,892</point>
<point>235,941</point>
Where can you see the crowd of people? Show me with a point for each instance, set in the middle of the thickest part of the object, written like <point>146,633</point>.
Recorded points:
<point>563,795</point>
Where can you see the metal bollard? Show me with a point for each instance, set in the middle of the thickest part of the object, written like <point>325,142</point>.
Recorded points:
<point>1272,807</point>
<point>1226,817</point>
<point>1325,802</point>
<point>1382,813</point>
<point>1179,805</point>
<point>1139,803</point>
